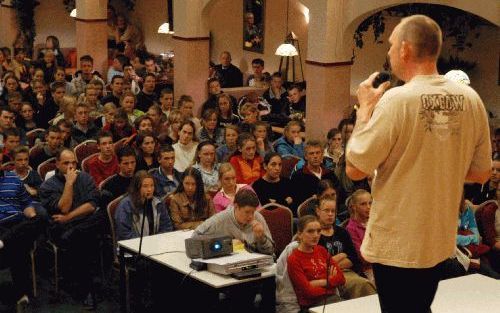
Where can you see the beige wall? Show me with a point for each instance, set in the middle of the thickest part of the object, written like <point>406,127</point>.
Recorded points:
<point>52,19</point>
<point>484,51</point>
<point>225,22</point>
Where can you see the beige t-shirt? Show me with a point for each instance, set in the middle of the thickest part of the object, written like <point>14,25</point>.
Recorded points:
<point>422,139</point>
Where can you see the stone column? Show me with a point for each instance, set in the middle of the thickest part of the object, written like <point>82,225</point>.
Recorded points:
<point>191,49</point>
<point>8,24</point>
<point>328,68</point>
<point>92,32</point>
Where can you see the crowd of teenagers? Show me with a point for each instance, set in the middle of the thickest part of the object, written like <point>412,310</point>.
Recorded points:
<point>211,168</point>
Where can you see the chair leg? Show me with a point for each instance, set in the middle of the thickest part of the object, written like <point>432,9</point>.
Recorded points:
<point>33,272</point>
<point>127,290</point>
<point>56,268</point>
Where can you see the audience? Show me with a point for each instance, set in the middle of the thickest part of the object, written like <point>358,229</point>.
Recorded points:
<point>228,74</point>
<point>190,205</point>
<point>272,188</point>
<point>210,130</point>
<point>185,148</point>
<point>83,129</point>
<point>206,162</point>
<point>140,199</point>
<point>145,143</point>
<point>227,179</point>
<point>225,151</point>
<point>117,185</point>
<point>308,264</point>
<point>291,142</point>
<point>246,162</point>
<point>166,177</point>
<point>105,163</point>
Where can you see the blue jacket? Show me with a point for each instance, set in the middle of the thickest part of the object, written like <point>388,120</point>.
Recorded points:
<point>128,225</point>
<point>468,222</point>
<point>283,147</point>
<point>164,185</point>
<point>13,197</point>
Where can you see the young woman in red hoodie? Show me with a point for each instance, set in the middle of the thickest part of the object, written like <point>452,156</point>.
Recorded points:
<point>308,266</point>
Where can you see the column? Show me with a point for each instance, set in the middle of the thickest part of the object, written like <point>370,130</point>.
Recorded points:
<point>191,49</point>
<point>92,32</point>
<point>8,24</point>
<point>328,68</point>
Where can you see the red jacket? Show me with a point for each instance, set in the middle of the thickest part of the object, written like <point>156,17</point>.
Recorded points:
<point>247,172</point>
<point>100,170</point>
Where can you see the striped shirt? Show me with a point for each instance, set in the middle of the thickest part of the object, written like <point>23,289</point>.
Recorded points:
<point>13,197</point>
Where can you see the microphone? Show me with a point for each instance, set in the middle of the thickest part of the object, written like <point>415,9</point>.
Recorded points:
<point>144,216</point>
<point>382,77</point>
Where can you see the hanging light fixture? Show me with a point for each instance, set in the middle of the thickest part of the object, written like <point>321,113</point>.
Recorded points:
<point>164,28</point>
<point>73,13</point>
<point>286,49</point>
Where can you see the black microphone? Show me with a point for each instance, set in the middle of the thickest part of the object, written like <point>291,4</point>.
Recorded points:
<point>382,77</point>
<point>144,208</point>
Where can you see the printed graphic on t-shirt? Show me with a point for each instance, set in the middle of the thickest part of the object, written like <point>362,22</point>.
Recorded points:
<point>441,112</point>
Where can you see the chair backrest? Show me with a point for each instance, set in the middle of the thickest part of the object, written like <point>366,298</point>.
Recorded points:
<point>35,150</point>
<point>85,165</point>
<point>105,181</point>
<point>8,166</point>
<point>119,144</point>
<point>85,149</point>
<point>279,219</point>
<point>288,163</point>
<point>111,209</point>
<point>33,134</point>
<point>302,209</point>
<point>46,166</point>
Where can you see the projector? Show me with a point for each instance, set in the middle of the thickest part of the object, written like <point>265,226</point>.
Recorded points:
<point>208,246</point>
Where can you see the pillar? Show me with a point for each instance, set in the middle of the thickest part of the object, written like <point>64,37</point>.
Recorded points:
<point>92,32</point>
<point>328,68</point>
<point>8,24</point>
<point>191,49</point>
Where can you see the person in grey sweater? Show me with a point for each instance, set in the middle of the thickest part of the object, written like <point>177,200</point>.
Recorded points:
<point>241,221</point>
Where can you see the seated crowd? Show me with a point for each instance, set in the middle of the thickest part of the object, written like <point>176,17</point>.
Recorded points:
<point>203,171</point>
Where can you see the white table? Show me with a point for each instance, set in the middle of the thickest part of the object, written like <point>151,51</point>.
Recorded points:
<point>168,250</point>
<point>468,294</point>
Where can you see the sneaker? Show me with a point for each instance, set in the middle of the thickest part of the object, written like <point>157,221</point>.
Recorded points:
<point>22,304</point>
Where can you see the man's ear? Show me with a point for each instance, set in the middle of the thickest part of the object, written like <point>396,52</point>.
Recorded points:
<point>406,51</point>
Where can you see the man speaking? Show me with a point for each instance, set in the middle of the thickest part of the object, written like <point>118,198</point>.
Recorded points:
<point>424,139</point>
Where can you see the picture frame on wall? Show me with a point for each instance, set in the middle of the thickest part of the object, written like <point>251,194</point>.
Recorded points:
<point>253,25</point>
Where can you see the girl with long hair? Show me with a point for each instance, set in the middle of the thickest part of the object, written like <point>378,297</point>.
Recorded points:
<point>190,205</point>
<point>129,215</point>
<point>145,143</point>
<point>247,162</point>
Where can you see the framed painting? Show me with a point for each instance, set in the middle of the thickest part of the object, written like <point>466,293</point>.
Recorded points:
<point>253,25</point>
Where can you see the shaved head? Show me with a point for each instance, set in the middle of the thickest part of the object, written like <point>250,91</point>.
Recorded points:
<point>423,34</point>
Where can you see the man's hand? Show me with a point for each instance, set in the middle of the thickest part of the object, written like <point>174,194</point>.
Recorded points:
<point>71,176</point>
<point>368,97</point>
<point>258,230</point>
<point>60,218</point>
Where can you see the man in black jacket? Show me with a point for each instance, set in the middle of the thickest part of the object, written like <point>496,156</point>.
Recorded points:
<point>228,74</point>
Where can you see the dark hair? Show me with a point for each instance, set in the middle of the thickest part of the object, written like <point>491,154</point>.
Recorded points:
<point>14,132</point>
<point>86,58</point>
<point>122,115</point>
<point>246,197</point>
<point>139,120</point>
<point>134,191</point>
<point>331,133</point>
<point>190,123</point>
<point>258,61</point>
<point>345,122</point>
<point>125,151</point>
<point>53,129</point>
<point>324,185</point>
<point>276,74</point>
<point>57,84</point>
<point>244,137</point>
<point>211,80</point>
<point>55,42</point>
<point>139,139</point>
<point>122,59</point>
<point>19,50</point>
<point>200,201</point>
<point>269,156</point>
<point>497,131</point>
<point>208,113</point>
<point>312,143</point>
<point>104,134</point>
<point>166,91</point>
<point>149,75</point>
<point>183,99</point>
<point>16,95</point>
<point>165,148</point>
<point>297,86</point>
<point>198,149</point>
<point>116,77</point>
<point>6,109</point>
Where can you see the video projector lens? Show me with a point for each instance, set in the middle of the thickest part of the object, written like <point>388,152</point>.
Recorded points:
<point>216,246</point>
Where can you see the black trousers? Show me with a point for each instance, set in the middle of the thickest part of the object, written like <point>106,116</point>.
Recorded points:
<point>18,238</point>
<point>409,290</point>
<point>80,243</point>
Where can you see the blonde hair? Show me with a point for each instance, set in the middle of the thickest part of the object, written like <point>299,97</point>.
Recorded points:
<point>353,200</point>
<point>108,107</point>
<point>224,168</point>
